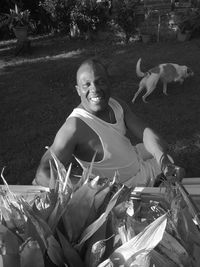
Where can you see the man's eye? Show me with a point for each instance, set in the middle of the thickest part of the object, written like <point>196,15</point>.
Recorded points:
<point>86,85</point>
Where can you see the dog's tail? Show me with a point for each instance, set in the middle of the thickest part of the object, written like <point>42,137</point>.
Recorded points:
<point>138,70</point>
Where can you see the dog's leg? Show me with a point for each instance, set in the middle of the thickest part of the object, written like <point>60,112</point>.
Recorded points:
<point>137,93</point>
<point>151,83</point>
<point>165,88</point>
<point>147,94</point>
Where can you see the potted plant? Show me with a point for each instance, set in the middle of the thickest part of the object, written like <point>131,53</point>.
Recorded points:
<point>19,21</point>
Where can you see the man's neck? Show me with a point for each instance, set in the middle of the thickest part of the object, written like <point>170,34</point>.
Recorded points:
<point>106,114</point>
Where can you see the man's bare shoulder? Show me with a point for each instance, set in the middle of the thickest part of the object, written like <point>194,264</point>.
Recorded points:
<point>68,134</point>
<point>72,125</point>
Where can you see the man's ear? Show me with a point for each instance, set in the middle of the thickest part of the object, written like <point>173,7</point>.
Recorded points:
<point>77,89</point>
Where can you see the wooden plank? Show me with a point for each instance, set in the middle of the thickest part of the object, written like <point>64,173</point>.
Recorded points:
<point>160,191</point>
<point>192,180</point>
<point>192,185</point>
<point>20,189</point>
<point>189,183</point>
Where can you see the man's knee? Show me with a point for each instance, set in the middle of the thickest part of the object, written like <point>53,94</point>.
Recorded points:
<point>142,152</point>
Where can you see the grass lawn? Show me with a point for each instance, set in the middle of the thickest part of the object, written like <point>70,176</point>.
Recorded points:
<point>37,94</point>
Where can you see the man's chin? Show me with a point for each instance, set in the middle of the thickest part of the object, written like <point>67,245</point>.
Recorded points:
<point>102,104</point>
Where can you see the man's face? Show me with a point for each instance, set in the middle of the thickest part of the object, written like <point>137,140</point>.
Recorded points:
<point>93,87</point>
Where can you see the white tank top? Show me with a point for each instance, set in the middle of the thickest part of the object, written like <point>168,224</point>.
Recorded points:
<point>119,154</point>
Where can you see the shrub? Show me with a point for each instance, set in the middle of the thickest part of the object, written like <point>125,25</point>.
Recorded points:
<point>125,17</point>
<point>90,16</point>
<point>58,13</point>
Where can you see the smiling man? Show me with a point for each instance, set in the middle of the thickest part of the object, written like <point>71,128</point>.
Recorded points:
<point>98,127</point>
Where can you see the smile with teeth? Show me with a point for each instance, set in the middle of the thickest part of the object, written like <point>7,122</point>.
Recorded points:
<point>96,99</point>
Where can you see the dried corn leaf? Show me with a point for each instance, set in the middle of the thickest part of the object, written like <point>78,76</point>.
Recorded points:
<point>36,227</point>
<point>6,216</point>
<point>93,246</point>
<point>123,233</point>
<point>87,173</point>
<point>54,251</point>
<point>141,244</point>
<point>44,205</point>
<point>9,240</point>
<point>91,229</point>
<point>10,260</point>
<point>9,192</point>
<point>31,254</point>
<point>57,213</point>
<point>67,185</point>
<point>161,260</point>
<point>174,250</point>
<point>192,230</point>
<point>106,263</point>
<point>78,210</point>
<point>61,171</point>
<point>71,255</point>
<point>53,182</point>
<point>100,196</point>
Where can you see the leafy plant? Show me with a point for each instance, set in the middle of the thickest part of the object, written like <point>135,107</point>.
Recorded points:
<point>89,16</point>
<point>16,18</point>
<point>125,16</point>
<point>58,13</point>
<point>19,18</point>
<point>190,21</point>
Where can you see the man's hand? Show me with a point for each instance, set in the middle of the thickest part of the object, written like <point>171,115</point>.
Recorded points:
<point>173,173</point>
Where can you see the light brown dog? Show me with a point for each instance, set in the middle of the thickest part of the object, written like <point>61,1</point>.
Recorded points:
<point>167,72</point>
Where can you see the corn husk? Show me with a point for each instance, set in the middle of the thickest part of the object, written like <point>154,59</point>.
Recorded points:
<point>71,255</point>
<point>91,229</point>
<point>136,250</point>
<point>30,253</point>
<point>174,250</point>
<point>161,260</point>
<point>9,248</point>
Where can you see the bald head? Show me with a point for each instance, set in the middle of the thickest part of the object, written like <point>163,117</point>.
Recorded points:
<point>93,64</point>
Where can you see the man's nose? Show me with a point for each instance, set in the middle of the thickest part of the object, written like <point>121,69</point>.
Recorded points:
<point>94,87</point>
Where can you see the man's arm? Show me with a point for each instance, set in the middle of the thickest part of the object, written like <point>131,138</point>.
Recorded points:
<point>154,143</point>
<point>63,147</point>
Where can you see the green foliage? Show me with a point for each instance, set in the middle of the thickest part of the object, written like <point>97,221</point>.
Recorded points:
<point>85,15</point>
<point>190,21</point>
<point>58,13</point>
<point>125,16</point>
<point>15,18</point>
<point>90,16</point>
<point>18,17</point>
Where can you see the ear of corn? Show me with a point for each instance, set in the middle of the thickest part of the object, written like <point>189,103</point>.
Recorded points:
<point>144,242</point>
